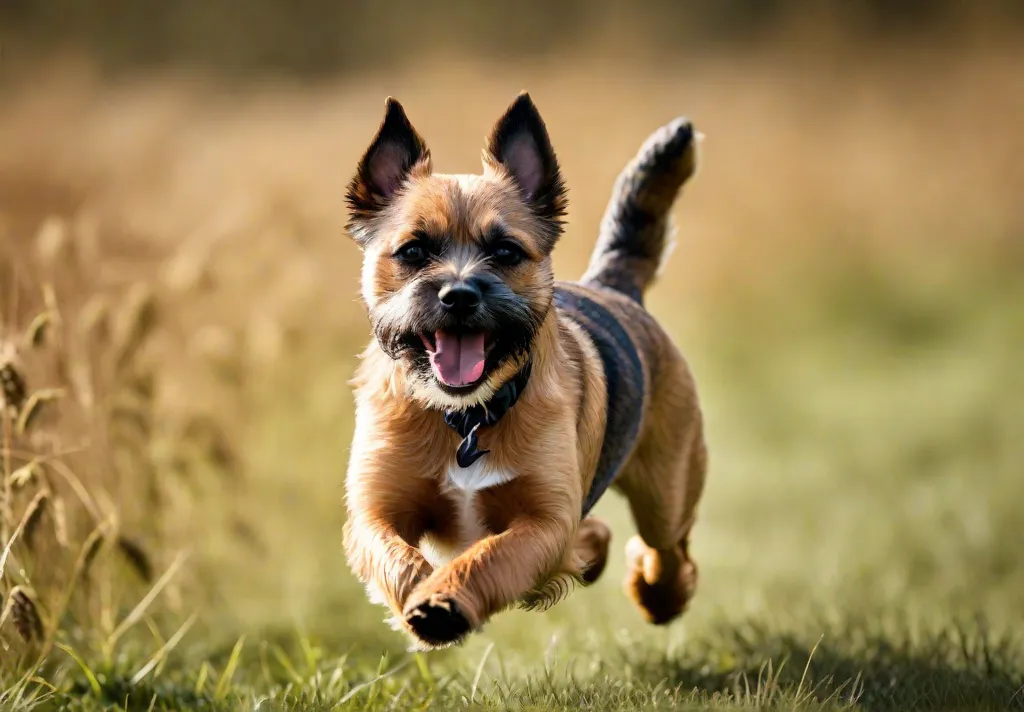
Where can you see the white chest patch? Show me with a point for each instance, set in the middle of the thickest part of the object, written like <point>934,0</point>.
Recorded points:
<point>477,477</point>
<point>462,485</point>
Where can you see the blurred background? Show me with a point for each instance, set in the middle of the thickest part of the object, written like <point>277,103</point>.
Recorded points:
<point>846,284</point>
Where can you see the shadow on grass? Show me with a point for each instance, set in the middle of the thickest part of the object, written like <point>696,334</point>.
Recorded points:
<point>962,667</point>
<point>867,665</point>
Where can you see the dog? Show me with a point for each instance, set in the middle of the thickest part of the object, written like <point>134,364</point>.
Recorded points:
<point>494,405</point>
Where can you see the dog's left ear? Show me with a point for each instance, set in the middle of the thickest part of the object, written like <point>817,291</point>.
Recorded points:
<point>519,146</point>
<point>396,153</point>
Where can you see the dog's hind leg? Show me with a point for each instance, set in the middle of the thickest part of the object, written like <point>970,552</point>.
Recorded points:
<point>663,482</point>
<point>592,539</point>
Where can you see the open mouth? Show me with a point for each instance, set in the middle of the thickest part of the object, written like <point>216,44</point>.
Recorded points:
<point>456,358</point>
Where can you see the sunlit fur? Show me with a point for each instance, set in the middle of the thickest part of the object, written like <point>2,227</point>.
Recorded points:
<point>517,538</point>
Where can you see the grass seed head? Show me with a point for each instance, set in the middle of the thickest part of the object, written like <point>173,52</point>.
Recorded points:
<point>136,557</point>
<point>25,614</point>
<point>12,387</point>
<point>34,515</point>
<point>38,331</point>
<point>60,522</point>
<point>26,474</point>
<point>34,406</point>
<point>90,550</point>
<point>142,315</point>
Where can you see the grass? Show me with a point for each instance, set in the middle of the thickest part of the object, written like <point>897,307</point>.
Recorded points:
<point>858,543</point>
<point>857,548</point>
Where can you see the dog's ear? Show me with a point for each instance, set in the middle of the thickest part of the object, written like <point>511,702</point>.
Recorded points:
<point>395,153</point>
<point>519,146</point>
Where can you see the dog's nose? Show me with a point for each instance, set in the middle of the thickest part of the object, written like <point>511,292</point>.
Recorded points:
<point>460,298</point>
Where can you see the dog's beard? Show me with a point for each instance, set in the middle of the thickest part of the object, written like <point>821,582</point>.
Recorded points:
<point>508,324</point>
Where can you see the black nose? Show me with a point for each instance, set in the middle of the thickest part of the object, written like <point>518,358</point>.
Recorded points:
<point>460,298</point>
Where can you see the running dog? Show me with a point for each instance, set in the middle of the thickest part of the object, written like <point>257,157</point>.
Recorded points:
<point>494,405</point>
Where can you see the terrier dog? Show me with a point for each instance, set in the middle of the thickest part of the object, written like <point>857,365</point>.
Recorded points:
<point>495,405</point>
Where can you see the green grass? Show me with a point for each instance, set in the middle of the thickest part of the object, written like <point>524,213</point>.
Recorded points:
<point>859,541</point>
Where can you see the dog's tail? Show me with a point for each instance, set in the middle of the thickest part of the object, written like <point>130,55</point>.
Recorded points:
<point>635,231</point>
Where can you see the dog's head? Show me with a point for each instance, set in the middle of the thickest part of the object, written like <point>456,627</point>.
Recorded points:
<point>457,271</point>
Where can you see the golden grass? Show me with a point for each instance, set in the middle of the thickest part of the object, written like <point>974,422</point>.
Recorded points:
<point>83,520</point>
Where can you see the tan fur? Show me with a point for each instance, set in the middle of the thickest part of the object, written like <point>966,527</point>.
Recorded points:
<point>518,541</point>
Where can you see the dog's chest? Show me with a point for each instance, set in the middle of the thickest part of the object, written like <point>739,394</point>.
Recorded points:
<point>461,489</point>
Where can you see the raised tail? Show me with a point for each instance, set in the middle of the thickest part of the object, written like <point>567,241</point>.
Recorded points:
<point>635,230</point>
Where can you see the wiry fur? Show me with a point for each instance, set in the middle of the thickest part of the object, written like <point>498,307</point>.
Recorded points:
<point>446,552</point>
<point>635,232</point>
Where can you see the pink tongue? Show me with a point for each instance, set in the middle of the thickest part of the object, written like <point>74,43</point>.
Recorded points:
<point>458,360</point>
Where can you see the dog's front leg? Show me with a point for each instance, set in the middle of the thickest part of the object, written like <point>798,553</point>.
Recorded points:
<point>383,560</point>
<point>387,504</point>
<point>491,575</point>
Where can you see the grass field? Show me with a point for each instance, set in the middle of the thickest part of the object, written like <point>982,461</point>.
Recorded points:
<point>846,285</point>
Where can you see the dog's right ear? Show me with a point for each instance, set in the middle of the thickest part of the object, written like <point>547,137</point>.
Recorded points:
<point>396,153</point>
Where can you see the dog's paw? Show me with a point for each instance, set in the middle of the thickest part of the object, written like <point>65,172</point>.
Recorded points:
<point>437,621</point>
<point>661,603</point>
<point>661,583</point>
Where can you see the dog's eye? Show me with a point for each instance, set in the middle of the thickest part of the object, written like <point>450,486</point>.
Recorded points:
<point>506,253</point>
<point>413,254</point>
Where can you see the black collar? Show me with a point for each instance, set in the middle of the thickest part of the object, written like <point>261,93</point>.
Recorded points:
<point>467,422</point>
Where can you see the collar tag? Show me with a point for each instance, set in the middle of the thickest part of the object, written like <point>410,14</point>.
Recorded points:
<point>468,422</point>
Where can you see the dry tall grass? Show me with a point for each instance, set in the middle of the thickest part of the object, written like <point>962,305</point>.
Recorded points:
<point>88,509</point>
